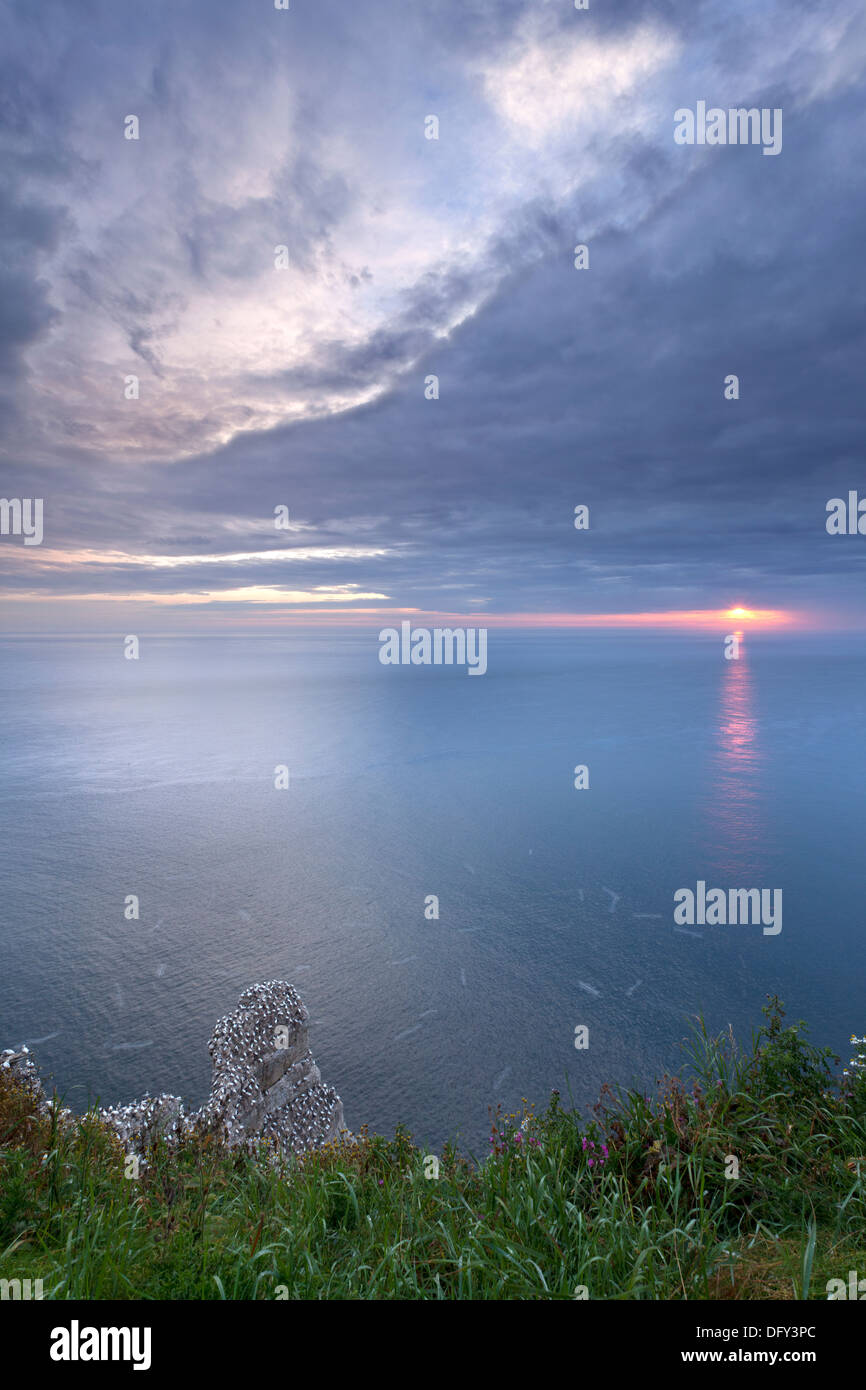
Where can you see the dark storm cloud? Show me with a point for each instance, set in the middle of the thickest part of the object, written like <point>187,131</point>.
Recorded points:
<point>25,311</point>
<point>557,386</point>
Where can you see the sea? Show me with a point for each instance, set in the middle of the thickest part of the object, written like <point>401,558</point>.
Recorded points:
<point>408,848</point>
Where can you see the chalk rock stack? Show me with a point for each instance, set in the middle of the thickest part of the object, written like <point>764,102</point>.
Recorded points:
<point>265,1084</point>
<point>265,1081</point>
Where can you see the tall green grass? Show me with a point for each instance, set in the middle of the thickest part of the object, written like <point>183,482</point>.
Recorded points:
<point>637,1201</point>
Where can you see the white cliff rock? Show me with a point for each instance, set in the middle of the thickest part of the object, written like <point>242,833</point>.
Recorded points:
<point>265,1084</point>
<point>264,1078</point>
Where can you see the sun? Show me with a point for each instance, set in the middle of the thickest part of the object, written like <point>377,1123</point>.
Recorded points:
<point>740,613</point>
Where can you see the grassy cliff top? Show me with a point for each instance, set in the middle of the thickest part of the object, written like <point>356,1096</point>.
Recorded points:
<point>741,1178</point>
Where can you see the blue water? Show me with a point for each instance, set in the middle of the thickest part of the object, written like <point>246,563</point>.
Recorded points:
<point>156,778</point>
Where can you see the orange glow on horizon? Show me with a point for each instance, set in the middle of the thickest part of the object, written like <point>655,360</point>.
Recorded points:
<point>271,606</point>
<point>696,618</point>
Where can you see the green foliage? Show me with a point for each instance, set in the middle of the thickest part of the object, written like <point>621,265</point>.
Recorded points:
<point>638,1202</point>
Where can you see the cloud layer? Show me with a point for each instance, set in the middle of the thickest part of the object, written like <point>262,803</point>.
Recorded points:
<point>303,387</point>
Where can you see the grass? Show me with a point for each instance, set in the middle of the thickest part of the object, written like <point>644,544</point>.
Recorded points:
<point>633,1203</point>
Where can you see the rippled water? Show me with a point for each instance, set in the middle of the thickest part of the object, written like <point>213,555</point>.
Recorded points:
<point>156,778</point>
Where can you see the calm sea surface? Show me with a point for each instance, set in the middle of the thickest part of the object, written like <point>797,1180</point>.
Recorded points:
<point>156,778</point>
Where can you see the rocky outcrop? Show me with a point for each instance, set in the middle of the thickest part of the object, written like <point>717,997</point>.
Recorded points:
<point>265,1084</point>
<point>265,1081</point>
<point>26,1073</point>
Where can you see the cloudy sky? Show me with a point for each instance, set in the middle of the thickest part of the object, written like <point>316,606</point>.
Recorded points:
<point>262,387</point>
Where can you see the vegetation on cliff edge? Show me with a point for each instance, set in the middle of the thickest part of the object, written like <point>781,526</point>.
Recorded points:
<point>741,1178</point>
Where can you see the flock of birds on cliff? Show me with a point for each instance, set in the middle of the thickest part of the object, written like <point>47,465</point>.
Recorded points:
<point>252,1049</point>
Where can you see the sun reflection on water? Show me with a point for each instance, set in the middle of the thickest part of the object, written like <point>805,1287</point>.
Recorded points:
<point>735,801</point>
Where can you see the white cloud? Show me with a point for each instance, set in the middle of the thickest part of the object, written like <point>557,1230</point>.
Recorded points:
<point>545,88</point>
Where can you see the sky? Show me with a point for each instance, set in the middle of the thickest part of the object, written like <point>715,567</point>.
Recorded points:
<point>303,389</point>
